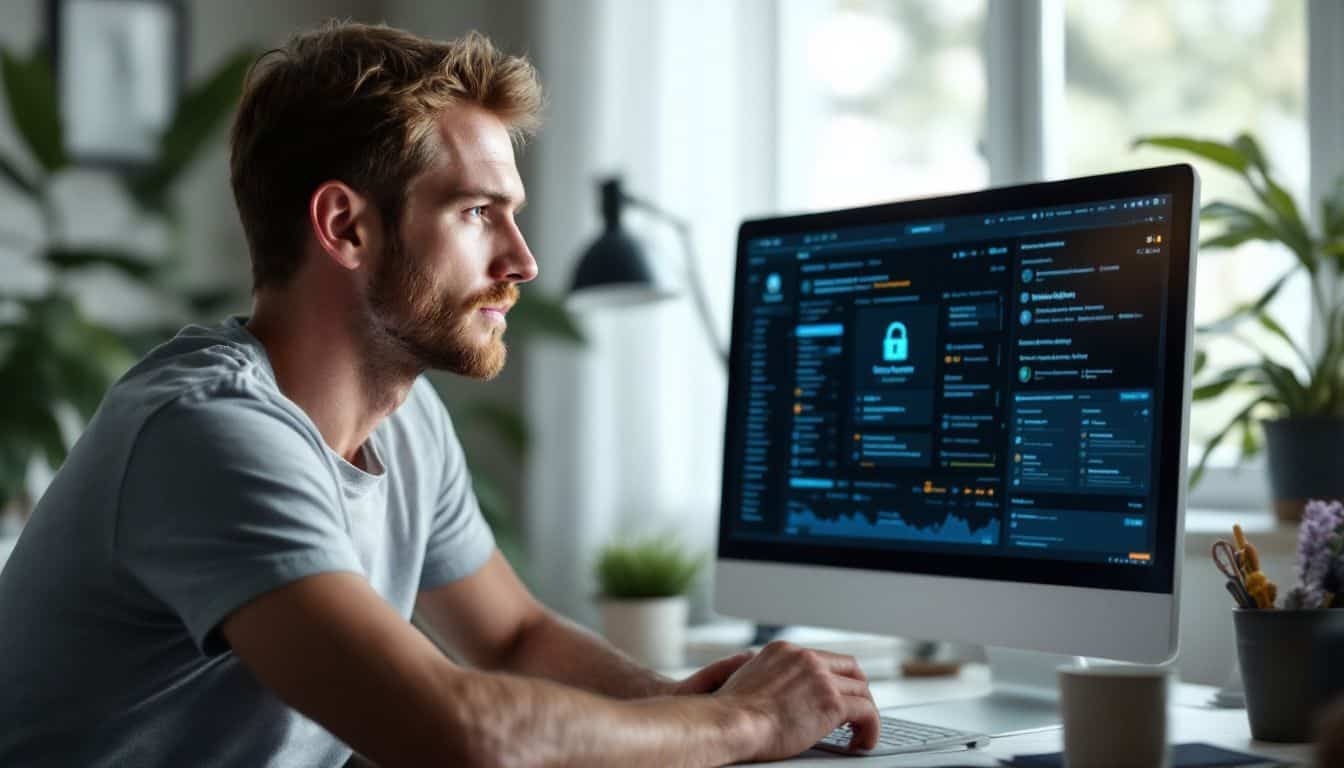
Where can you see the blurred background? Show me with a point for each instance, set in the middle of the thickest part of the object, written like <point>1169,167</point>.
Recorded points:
<point>610,422</point>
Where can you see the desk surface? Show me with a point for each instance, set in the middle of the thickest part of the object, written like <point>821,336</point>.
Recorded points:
<point>1192,719</point>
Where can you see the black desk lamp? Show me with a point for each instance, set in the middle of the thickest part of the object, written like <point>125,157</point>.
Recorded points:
<point>613,272</point>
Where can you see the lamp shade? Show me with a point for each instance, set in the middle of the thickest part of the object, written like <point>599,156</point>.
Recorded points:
<point>613,270</point>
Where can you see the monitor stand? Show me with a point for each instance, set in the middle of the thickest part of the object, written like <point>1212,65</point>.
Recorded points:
<point>1024,696</point>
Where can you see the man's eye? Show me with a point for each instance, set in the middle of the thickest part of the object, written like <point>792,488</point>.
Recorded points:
<point>476,211</point>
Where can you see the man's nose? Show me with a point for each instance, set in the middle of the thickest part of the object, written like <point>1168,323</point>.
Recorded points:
<point>515,263</point>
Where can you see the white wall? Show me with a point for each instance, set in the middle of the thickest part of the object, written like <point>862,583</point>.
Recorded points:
<point>676,97</point>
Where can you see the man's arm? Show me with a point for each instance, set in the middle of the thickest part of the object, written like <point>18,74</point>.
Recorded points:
<point>490,620</point>
<point>329,646</point>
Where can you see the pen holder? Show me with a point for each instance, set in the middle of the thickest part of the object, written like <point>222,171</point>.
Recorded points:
<point>1276,651</point>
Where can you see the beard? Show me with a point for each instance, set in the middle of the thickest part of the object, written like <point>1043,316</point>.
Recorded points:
<point>432,327</point>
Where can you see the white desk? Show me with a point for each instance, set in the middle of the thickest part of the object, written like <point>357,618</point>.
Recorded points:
<point>1190,720</point>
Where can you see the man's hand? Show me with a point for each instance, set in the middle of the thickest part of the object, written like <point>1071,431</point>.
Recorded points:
<point>709,679</point>
<point>800,696</point>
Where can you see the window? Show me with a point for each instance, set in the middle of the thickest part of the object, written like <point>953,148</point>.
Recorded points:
<point>1182,68</point>
<point>885,100</point>
<point>888,99</point>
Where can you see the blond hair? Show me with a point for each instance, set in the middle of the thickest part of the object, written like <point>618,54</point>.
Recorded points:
<point>358,104</point>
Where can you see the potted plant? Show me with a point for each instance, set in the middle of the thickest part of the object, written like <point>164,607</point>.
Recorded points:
<point>55,362</point>
<point>1296,394</point>
<point>643,601</point>
<point>1280,646</point>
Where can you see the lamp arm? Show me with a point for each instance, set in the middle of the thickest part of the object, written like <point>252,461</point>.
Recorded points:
<point>693,278</point>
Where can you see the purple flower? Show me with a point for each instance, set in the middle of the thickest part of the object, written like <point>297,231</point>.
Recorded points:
<point>1316,550</point>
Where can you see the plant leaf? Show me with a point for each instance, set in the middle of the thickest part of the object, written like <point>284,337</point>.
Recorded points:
<point>536,314</point>
<point>1249,148</point>
<point>1290,227</point>
<point>1231,319</point>
<point>1244,156</point>
<point>1225,381</point>
<point>212,302</point>
<point>653,567</point>
<point>1217,439</point>
<point>17,179</point>
<point>15,452</point>
<point>1327,381</point>
<point>28,381</point>
<point>1242,225</point>
<point>1332,212</point>
<point>1223,154</point>
<point>1250,441</point>
<point>1219,211</point>
<point>1272,325</point>
<point>1232,237</point>
<point>201,110</point>
<point>34,107</point>
<point>504,421</point>
<point>71,258</point>
<point>491,500</point>
<point>495,509</point>
<point>1285,385</point>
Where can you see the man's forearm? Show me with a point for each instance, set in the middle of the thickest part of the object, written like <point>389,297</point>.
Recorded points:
<point>557,649</point>
<point>510,720</point>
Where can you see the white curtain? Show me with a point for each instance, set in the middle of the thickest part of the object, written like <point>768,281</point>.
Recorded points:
<point>678,98</point>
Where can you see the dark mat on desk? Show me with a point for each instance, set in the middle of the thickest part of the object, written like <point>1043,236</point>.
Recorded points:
<point>1193,755</point>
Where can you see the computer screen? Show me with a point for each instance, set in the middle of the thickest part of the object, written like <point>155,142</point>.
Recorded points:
<point>986,385</point>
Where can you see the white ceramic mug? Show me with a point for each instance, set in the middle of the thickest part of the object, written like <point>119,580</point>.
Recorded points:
<point>1114,716</point>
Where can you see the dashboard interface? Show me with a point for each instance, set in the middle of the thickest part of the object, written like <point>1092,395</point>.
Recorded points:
<point>984,392</point>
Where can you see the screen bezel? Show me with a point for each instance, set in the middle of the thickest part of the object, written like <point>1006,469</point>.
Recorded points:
<point>1179,181</point>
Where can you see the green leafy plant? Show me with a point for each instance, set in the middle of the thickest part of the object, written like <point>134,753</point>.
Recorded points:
<point>651,567</point>
<point>53,360</point>
<point>1296,381</point>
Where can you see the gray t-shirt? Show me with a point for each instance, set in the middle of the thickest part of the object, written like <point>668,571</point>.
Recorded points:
<point>197,487</point>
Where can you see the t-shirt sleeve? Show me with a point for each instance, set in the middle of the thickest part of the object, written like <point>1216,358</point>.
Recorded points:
<point>225,499</point>
<point>460,541</point>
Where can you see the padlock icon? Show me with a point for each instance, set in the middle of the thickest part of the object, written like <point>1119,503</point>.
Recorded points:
<point>896,345</point>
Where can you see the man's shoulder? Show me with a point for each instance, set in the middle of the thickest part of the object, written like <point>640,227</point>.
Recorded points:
<point>207,382</point>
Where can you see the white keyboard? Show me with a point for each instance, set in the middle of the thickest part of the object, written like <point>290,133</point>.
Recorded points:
<point>902,736</point>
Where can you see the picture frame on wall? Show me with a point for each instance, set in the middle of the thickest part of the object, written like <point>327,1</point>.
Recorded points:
<point>120,67</point>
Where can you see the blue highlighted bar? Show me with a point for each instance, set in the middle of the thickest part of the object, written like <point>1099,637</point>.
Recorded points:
<point>924,229</point>
<point>810,482</point>
<point>1135,396</point>
<point>822,329</point>
<point>1024,397</point>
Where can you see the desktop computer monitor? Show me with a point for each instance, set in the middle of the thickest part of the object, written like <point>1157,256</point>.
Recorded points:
<point>964,418</point>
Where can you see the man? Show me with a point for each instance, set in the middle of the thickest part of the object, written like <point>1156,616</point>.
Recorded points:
<point>223,571</point>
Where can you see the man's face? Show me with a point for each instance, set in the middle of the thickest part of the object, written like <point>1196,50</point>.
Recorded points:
<point>448,276</point>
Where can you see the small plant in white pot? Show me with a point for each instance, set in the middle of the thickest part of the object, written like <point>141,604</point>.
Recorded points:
<point>643,586</point>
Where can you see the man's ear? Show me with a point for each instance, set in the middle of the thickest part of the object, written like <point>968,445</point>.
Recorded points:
<point>344,223</point>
